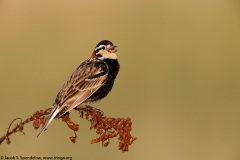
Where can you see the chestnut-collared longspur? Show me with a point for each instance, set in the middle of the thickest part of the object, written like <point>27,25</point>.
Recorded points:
<point>91,81</point>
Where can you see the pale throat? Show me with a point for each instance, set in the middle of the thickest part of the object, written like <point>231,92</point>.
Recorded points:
<point>105,54</point>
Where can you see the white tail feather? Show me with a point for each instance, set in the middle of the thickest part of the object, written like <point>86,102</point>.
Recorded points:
<point>50,118</point>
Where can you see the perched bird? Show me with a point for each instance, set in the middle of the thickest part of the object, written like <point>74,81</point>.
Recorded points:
<point>91,81</point>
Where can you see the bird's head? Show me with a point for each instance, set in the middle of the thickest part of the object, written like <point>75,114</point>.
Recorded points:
<point>105,50</point>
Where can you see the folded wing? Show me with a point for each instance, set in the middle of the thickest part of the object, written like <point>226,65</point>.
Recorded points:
<point>85,80</point>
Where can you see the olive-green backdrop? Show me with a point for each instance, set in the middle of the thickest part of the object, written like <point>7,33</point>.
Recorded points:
<point>179,79</point>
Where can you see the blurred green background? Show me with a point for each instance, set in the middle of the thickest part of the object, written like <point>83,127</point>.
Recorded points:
<point>179,79</point>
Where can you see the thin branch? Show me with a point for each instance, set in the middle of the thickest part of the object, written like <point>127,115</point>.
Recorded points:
<point>39,115</point>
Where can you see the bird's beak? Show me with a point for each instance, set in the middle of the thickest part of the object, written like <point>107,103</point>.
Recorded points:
<point>112,49</point>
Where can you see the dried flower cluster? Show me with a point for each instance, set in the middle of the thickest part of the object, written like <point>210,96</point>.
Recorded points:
<point>106,128</point>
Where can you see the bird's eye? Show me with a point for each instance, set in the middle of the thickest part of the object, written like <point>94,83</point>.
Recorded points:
<point>103,47</point>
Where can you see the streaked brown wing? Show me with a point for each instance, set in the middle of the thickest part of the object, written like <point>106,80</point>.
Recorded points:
<point>85,81</point>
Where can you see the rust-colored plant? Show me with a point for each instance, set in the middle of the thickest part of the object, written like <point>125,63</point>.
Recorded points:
<point>105,127</point>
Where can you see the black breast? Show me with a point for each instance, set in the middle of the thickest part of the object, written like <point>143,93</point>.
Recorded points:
<point>103,91</point>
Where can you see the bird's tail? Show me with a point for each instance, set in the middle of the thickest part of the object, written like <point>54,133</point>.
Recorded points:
<point>49,120</point>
